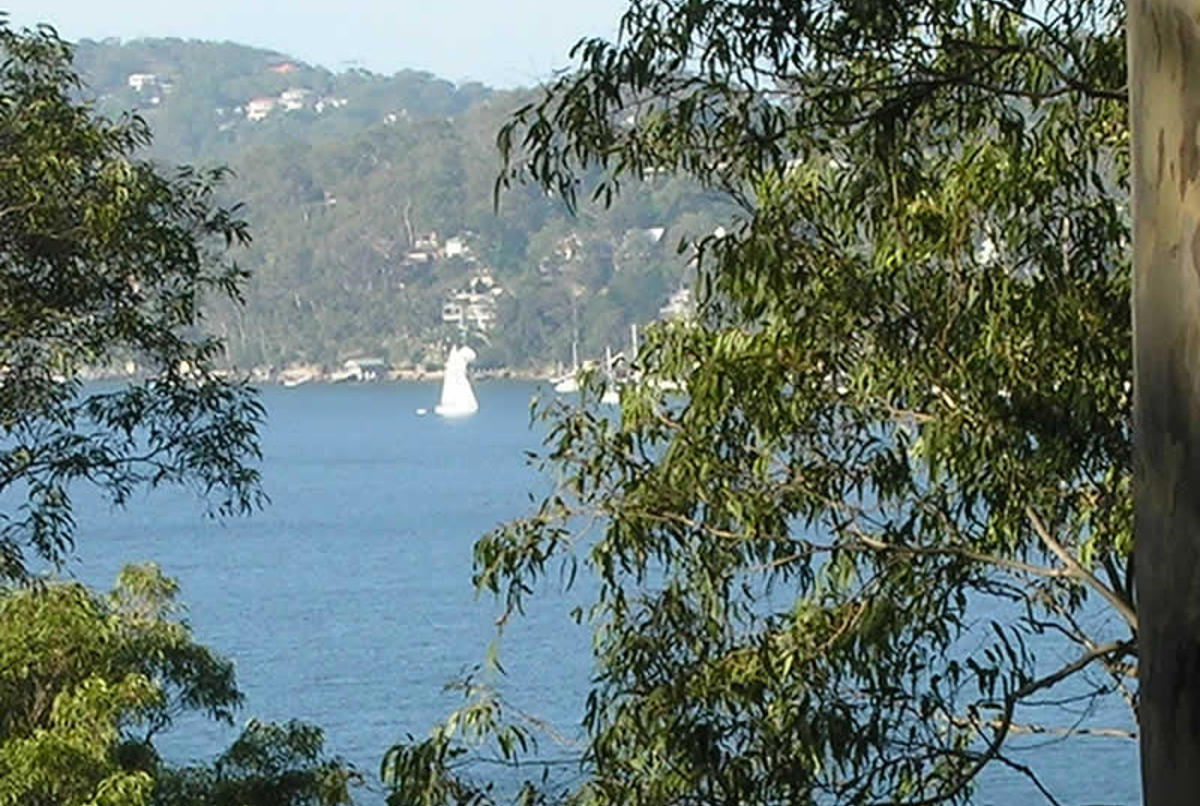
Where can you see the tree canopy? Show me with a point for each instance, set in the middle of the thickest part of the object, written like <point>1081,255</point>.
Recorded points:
<point>88,682</point>
<point>885,523</point>
<point>105,259</point>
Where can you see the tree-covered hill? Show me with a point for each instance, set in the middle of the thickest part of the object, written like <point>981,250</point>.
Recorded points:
<point>370,204</point>
<point>199,96</point>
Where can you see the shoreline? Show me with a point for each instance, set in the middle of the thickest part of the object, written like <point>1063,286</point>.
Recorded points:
<point>298,376</point>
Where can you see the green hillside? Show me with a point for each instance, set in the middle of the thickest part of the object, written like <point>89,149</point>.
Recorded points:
<point>370,202</point>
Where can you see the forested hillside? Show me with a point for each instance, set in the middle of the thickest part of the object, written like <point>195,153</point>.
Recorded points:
<point>370,203</point>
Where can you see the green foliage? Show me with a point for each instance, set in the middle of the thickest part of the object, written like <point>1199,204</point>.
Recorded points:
<point>105,259</point>
<point>846,561</point>
<point>268,765</point>
<point>88,681</point>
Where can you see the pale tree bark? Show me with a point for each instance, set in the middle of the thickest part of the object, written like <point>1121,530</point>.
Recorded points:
<point>1164,82</point>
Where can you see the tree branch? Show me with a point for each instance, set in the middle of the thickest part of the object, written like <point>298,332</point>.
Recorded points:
<point>1060,551</point>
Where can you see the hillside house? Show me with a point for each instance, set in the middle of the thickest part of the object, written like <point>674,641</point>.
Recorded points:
<point>329,102</point>
<point>456,247</point>
<point>475,308</point>
<point>294,98</point>
<point>568,248</point>
<point>470,311</point>
<point>140,81</point>
<point>259,108</point>
<point>679,306</point>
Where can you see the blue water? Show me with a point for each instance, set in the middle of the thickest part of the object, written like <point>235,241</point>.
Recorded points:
<point>347,602</point>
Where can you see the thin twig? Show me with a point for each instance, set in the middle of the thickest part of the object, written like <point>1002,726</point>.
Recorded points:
<point>1060,551</point>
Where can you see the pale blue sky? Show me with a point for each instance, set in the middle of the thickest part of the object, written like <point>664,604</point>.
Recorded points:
<point>502,42</point>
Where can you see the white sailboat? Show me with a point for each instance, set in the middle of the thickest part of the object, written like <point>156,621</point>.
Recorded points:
<point>569,384</point>
<point>612,391</point>
<point>458,399</point>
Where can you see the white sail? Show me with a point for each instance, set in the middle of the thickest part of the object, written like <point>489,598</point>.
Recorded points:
<point>458,400</point>
<point>569,384</point>
<point>612,391</point>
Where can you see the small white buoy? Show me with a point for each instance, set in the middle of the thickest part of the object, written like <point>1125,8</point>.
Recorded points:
<point>422,412</point>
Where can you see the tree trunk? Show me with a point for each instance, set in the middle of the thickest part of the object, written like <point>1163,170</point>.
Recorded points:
<point>1164,81</point>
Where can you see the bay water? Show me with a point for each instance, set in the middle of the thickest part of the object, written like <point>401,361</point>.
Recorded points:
<point>348,603</point>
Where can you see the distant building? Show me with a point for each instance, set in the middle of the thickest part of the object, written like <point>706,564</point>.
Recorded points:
<point>365,369</point>
<point>679,306</point>
<point>329,102</point>
<point>139,81</point>
<point>567,248</point>
<point>294,98</point>
<point>259,108</point>
<point>456,247</point>
<point>453,313</point>
<point>283,67</point>
<point>475,308</point>
<point>470,311</point>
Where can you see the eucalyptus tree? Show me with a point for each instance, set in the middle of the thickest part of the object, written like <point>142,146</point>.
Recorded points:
<point>886,522</point>
<point>104,261</point>
<point>1164,98</point>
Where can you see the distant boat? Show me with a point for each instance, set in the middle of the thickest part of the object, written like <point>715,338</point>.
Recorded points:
<point>296,376</point>
<point>612,389</point>
<point>569,384</point>
<point>458,400</point>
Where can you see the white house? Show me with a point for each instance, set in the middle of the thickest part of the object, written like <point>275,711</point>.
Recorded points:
<point>139,81</point>
<point>259,108</point>
<point>294,98</point>
<point>475,308</point>
<point>679,306</point>
<point>456,247</point>
<point>365,369</point>
<point>329,102</point>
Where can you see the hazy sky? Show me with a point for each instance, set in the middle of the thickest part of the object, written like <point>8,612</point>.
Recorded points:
<point>499,42</point>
